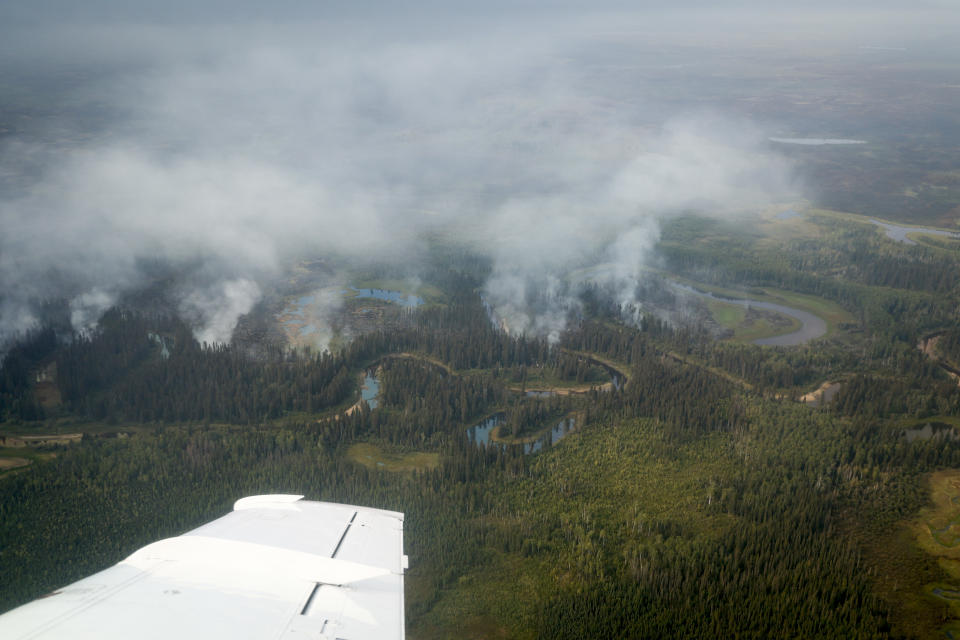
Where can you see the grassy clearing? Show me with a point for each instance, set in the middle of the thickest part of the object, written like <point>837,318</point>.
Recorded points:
<point>909,423</point>
<point>475,608</point>
<point>374,457</point>
<point>937,528</point>
<point>728,316</point>
<point>19,458</point>
<point>921,560</point>
<point>750,324</point>
<point>12,463</point>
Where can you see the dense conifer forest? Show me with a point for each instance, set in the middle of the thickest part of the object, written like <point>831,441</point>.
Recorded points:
<point>697,495</point>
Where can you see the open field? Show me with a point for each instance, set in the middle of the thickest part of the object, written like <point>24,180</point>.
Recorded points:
<point>374,457</point>
<point>937,527</point>
<point>14,458</point>
<point>751,324</point>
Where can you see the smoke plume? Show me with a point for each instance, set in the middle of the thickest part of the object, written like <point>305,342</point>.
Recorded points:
<point>229,152</point>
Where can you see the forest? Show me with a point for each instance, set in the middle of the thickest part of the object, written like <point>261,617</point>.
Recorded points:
<point>698,494</point>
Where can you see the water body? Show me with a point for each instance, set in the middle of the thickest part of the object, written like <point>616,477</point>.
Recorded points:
<point>298,309</point>
<point>396,297</point>
<point>481,434</point>
<point>899,234</point>
<point>616,382</point>
<point>788,215</point>
<point>296,313</point>
<point>811,326</point>
<point>370,389</point>
<point>931,431</point>
<point>816,142</point>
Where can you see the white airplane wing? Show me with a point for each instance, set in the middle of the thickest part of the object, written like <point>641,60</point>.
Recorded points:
<point>276,567</point>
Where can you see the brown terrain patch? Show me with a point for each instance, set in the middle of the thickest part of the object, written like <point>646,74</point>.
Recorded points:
<point>821,395</point>
<point>12,463</point>
<point>40,440</point>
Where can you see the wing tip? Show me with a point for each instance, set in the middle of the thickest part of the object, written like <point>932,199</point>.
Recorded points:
<point>265,501</point>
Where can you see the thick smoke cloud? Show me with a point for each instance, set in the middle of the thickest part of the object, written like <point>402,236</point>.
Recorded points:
<point>229,153</point>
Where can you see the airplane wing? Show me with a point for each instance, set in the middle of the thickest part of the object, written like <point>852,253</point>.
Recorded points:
<point>276,567</point>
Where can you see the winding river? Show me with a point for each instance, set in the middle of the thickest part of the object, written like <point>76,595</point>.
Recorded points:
<point>899,234</point>
<point>811,326</point>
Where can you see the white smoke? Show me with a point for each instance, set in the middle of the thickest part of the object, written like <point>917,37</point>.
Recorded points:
<point>229,155</point>
<point>86,309</point>
<point>714,165</point>
<point>214,310</point>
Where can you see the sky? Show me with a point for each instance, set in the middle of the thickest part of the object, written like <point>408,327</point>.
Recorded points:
<point>230,139</point>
